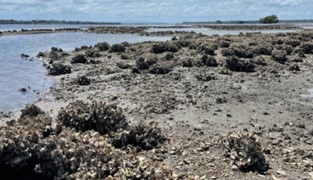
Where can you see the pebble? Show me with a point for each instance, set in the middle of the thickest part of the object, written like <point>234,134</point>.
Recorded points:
<point>282,173</point>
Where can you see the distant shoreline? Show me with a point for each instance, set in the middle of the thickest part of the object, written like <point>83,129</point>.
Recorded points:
<point>43,22</point>
<point>248,22</point>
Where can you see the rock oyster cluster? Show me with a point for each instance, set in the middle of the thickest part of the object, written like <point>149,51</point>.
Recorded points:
<point>31,149</point>
<point>141,136</point>
<point>31,110</point>
<point>97,116</point>
<point>58,69</point>
<point>245,151</point>
<point>83,81</point>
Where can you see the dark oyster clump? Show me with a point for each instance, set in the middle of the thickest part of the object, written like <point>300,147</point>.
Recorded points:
<point>245,151</point>
<point>279,55</point>
<point>144,137</point>
<point>117,48</point>
<point>32,149</point>
<point>80,58</point>
<point>239,65</point>
<point>31,110</point>
<point>83,81</point>
<point>22,152</point>
<point>58,69</point>
<point>96,116</point>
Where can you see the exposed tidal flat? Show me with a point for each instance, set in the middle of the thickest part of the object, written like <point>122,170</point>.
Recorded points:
<point>30,39</point>
<point>193,107</point>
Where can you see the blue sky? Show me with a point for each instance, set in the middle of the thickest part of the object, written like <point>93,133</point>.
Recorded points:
<point>154,10</point>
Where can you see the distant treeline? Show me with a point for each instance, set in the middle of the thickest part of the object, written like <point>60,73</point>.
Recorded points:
<point>11,21</point>
<point>249,22</point>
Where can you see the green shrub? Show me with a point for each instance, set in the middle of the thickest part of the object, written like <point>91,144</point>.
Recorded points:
<point>269,19</point>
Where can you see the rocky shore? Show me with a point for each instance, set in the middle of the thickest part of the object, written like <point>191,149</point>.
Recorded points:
<point>195,107</point>
<point>142,30</point>
<point>250,27</point>
<point>39,31</point>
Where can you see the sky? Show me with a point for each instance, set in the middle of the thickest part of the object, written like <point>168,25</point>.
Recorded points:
<point>154,10</point>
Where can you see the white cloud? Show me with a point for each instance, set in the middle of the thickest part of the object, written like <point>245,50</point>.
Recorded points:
<point>123,10</point>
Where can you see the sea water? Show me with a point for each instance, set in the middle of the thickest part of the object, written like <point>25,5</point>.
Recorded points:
<point>17,72</point>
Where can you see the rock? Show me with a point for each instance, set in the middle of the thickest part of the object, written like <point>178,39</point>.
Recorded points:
<point>281,173</point>
<point>224,43</point>
<point>124,56</point>
<point>307,48</point>
<point>259,60</point>
<point>92,61</point>
<point>23,90</point>
<point>92,53</point>
<point>83,81</point>
<point>235,64</point>
<point>104,46</point>
<point>175,38</point>
<point>164,47</point>
<point>264,49</point>
<point>117,48</point>
<point>135,71</point>
<point>209,51</point>
<point>279,56</point>
<point>241,52</point>
<point>297,60</point>
<point>205,76</point>
<point>54,56</point>
<point>20,149</point>
<point>187,63</point>
<point>41,54</point>
<point>31,149</point>
<point>58,69</point>
<point>31,111</point>
<point>294,68</point>
<point>70,155</point>
<point>169,56</point>
<point>24,56</point>
<point>55,49</point>
<point>293,42</point>
<point>79,59</point>
<point>220,100</point>
<point>159,70</point>
<point>123,65</point>
<point>209,61</point>
<point>245,151</point>
<point>143,64</point>
<point>97,116</point>
<point>144,137</point>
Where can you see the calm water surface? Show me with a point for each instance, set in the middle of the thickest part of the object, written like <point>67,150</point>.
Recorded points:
<point>16,73</point>
<point>18,27</point>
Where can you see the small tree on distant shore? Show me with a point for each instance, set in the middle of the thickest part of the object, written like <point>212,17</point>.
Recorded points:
<point>269,19</point>
<point>219,22</point>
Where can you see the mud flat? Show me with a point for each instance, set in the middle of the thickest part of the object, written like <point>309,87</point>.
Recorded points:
<point>196,107</point>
